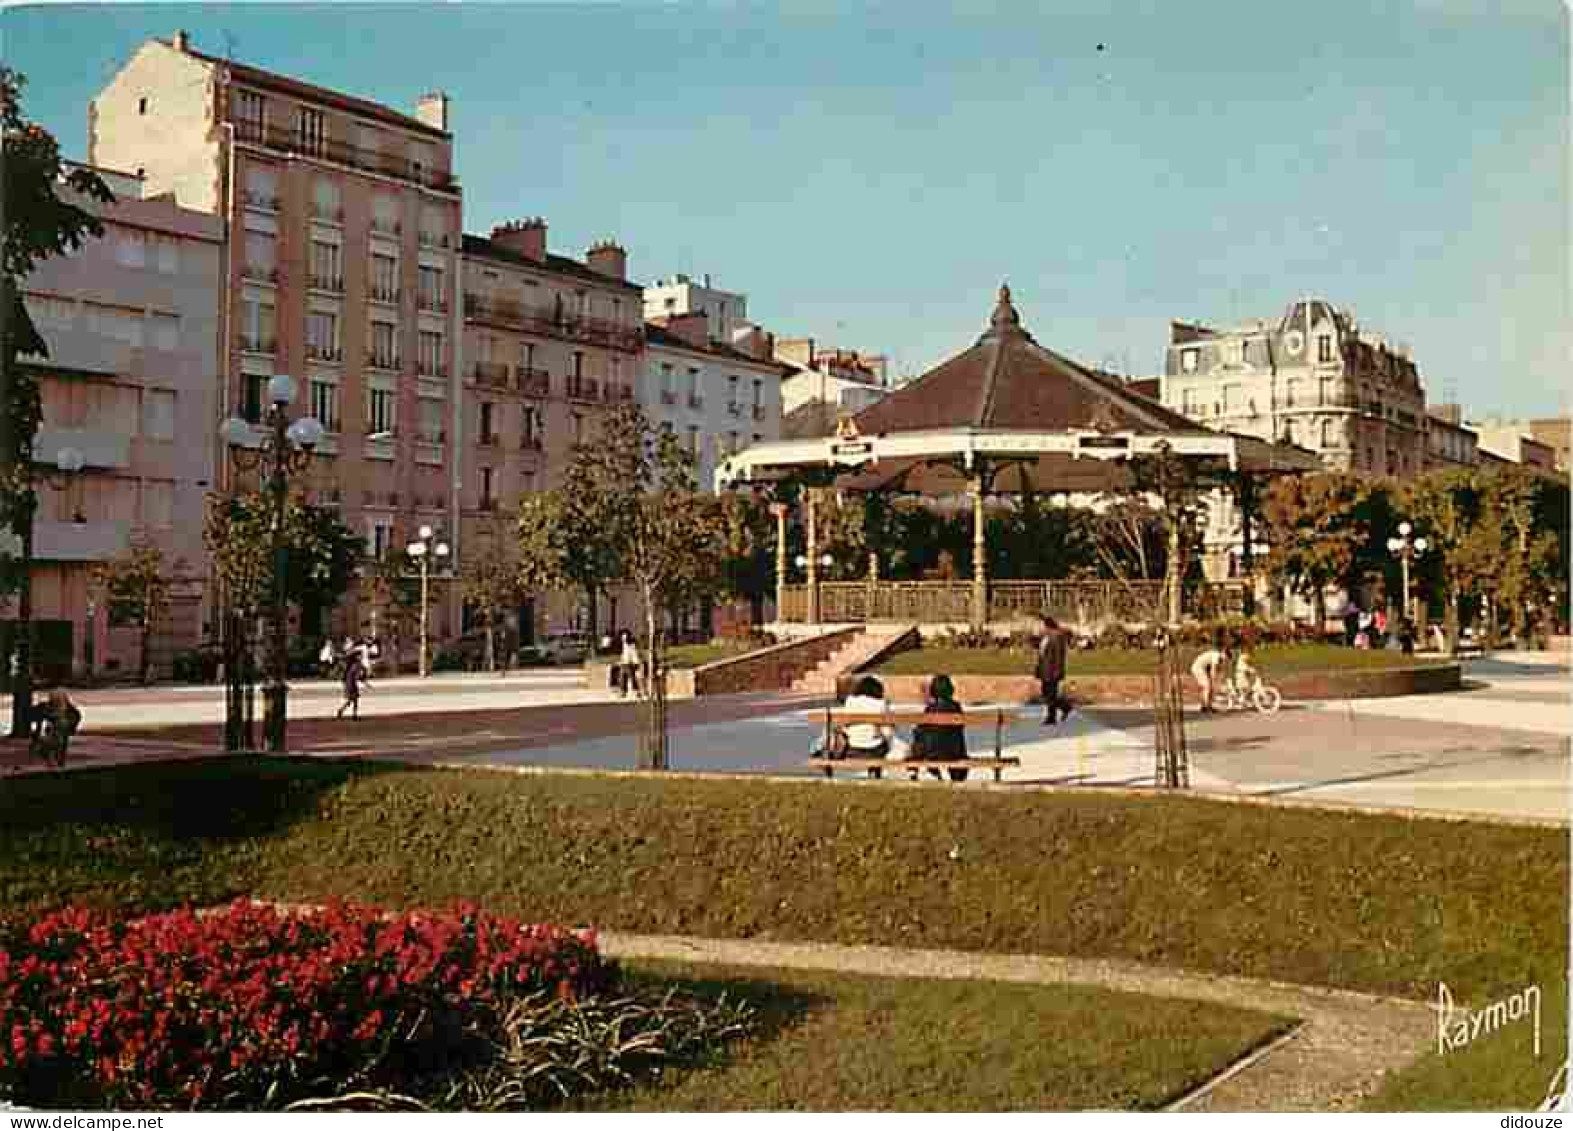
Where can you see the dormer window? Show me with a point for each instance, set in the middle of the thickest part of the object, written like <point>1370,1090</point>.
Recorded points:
<point>142,106</point>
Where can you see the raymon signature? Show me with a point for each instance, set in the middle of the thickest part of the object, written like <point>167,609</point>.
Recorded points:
<point>1457,1026</point>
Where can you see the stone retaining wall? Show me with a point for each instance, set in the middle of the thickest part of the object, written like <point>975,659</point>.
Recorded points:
<point>774,668</point>
<point>1136,690</point>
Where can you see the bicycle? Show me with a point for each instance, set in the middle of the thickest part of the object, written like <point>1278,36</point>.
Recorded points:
<point>53,725</point>
<point>1256,693</point>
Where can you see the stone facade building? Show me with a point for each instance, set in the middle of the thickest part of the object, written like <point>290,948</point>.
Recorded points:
<point>1313,378</point>
<point>1449,441</point>
<point>343,220</point>
<point>131,324</point>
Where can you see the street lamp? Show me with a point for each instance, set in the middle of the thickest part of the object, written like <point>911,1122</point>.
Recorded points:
<point>824,560</point>
<point>282,448</point>
<point>1406,550</point>
<point>68,462</point>
<point>423,550</point>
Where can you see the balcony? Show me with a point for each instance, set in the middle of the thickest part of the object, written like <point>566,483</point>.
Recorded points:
<point>543,320</point>
<point>261,201</point>
<point>759,412</point>
<point>380,444</point>
<point>439,303</point>
<point>317,351</point>
<point>668,397</point>
<point>282,140</point>
<point>259,272</point>
<point>532,444</point>
<point>433,239</point>
<point>583,389</point>
<point>386,227</point>
<point>256,343</point>
<point>100,448</point>
<point>331,283</point>
<point>534,382</point>
<point>488,505</point>
<point>696,402</point>
<point>428,372</point>
<point>492,374</point>
<point>328,214</point>
<point>80,541</point>
<point>487,440</point>
<point>388,361</point>
<point>389,295</point>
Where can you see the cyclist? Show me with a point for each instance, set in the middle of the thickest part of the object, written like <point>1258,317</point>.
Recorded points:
<point>1211,671</point>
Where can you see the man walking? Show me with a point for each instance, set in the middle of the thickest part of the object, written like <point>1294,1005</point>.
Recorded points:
<point>1052,651</point>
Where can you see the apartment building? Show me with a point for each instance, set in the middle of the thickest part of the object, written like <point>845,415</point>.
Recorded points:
<point>1313,378</point>
<point>844,381</point>
<point>551,343</point>
<point>1512,441</point>
<point>131,325</point>
<point>715,397</point>
<point>678,295</point>
<point>343,220</point>
<point>1449,441</point>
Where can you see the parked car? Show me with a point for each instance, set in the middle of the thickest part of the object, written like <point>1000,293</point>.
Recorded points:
<point>565,648</point>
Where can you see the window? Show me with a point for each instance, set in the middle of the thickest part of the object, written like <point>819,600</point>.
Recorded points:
<point>322,335</point>
<point>1324,348</point>
<point>1189,359</point>
<point>1291,393</point>
<point>532,426</point>
<point>250,114</point>
<point>731,391</point>
<point>527,356</point>
<point>759,392</point>
<point>488,435</point>
<point>430,354</point>
<point>1190,402</point>
<point>158,414</point>
<point>1237,353</point>
<point>384,347</point>
<point>693,440</point>
<point>731,443</point>
<point>431,421</point>
<point>251,385</point>
<point>429,286</point>
<point>130,248</point>
<point>261,256</point>
<point>158,503</point>
<point>578,364</point>
<point>384,278</point>
<point>325,403</point>
<point>1231,398</point>
<point>123,326</point>
<point>262,187</point>
<point>385,214</point>
<point>576,426</point>
<point>1329,434</point>
<point>166,254</point>
<point>327,266</point>
<point>380,414</point>
<point>488,500</point>
<point>693,383</point>
<point>310,130</point>
<point>142,106</point>
<point>325,202</point>
<point>256,325</point>
<point>381,537</point>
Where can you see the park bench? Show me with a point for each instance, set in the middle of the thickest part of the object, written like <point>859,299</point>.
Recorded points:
<point>996,718</point>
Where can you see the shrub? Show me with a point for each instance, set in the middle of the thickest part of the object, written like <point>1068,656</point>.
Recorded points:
<point>199,665</point>
<point>253,1008</point>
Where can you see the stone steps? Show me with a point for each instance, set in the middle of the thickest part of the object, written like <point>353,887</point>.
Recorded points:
<point>821,679</point>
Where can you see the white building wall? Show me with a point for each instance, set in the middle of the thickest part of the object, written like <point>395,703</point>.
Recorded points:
<point>816,385</point>
<point>725,310</point>
<point>721,402</point>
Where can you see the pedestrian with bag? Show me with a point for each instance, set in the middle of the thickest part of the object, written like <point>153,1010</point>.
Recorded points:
<point>354,673</point>
<point>1053,648</point>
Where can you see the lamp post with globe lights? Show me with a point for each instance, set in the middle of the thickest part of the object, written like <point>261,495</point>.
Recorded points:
<point>281,448</point>
<point>811,564</point>
<point>68,463</point>
<point>423,550</point>
<point>1407,550</point>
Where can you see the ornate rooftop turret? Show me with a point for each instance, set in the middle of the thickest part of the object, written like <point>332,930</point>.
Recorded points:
<point>1004,321</point>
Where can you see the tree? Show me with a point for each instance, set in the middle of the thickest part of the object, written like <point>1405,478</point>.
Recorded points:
<point>491,589</point>
<point>39,224</point>
<point>748,551</point>
<point>394,592</point>
<point>1315,526</point>
<point>1444,507</point>
<point>323,556</point>
<point>653,528</point>
<point>563,538</point>
<point>135,592</point>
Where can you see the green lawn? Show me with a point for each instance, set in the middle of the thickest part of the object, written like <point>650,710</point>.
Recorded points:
<point>1272,659</point>
<point>1366,902</point>
<point>834,1042</point>
<point>698,655</point>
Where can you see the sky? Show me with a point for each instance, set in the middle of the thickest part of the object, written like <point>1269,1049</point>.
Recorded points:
<point>868,174</point>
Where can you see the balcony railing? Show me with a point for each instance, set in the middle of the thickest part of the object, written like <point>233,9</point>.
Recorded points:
<point>1088,605</point>
<point>327,213</point>
<point>255,343</point>
<point>493,374</point>
<point>333,283</point>
<point>532,444</point>
<point>318,351</point>
<point>283,140</point>
<point>543,320</point>
<point>433,239</point>
<point>432,372</point>
<point>437,437</point>
<point>265,201</point>
<point>383,360</point>
<point>438,303</point>
<point>583,389</point>
<point>386,227</point>
<point>534,382</point>
<point>262,272</point>
<point>388,295</point>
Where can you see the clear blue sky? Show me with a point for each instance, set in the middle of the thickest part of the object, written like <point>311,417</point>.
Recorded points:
<point>869,174</point>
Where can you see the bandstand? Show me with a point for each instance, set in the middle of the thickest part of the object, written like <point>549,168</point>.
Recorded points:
<point>1006,417</point>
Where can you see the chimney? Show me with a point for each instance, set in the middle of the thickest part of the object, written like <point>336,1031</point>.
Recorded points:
<point>607,258</point>
<point>182,41</point>
<point>693,328</point>
<point>523,237</point>
<point>432,109</point>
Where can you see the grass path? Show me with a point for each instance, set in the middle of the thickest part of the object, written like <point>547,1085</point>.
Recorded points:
<point>1349,1042</point>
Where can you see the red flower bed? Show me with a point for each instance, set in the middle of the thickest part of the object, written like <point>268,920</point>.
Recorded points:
<point>251,1007</point>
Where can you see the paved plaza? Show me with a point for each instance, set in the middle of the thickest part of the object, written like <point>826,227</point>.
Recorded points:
<point>1499,746</point>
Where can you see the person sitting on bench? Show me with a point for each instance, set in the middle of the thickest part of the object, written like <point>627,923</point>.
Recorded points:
<point>936,742</point>
<point>865,740</point>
